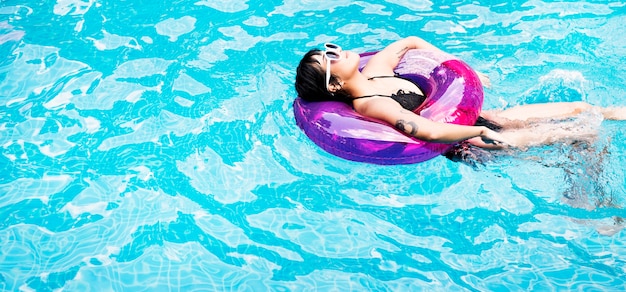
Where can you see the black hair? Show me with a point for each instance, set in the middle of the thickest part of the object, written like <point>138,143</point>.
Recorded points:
<point>472,155</point>
<point>311,81</point>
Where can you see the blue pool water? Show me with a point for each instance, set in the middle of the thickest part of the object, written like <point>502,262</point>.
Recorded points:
<point>150,146</point>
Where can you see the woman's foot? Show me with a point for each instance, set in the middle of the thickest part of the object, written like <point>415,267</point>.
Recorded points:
<point>614,113</point>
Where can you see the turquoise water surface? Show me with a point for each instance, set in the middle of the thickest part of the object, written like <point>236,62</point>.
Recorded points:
<point>151,146</point>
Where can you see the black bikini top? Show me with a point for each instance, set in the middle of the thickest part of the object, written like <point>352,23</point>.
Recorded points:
<point>408,100</point>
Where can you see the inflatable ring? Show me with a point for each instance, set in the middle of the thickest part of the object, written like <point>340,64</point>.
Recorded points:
<point>453,92</point>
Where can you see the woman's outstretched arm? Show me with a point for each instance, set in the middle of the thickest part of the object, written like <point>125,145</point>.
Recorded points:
<point>424,129</point>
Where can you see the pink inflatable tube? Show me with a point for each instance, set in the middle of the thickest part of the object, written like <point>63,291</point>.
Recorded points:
<point>453,92</point>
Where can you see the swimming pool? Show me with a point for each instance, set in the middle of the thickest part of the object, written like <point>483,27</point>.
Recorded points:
<point>151,146</point>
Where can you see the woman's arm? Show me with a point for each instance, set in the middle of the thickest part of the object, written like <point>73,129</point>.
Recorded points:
<point>386,60</point>
<point>424,129</point>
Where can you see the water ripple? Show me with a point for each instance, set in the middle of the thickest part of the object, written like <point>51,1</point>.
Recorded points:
<point>152,147</point>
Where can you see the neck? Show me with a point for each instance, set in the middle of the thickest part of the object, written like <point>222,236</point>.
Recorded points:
<point>357,85</point>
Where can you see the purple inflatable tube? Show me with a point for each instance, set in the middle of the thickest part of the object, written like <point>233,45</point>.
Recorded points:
<point>453,92</point>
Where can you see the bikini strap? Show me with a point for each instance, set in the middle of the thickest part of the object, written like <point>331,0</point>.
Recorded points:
<point>383,76</point>
<point>372,95</point>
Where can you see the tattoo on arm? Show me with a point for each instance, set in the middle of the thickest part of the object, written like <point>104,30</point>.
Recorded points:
<point>407,127</point>
<point>401,52</point>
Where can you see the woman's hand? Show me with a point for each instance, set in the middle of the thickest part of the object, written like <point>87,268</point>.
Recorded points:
<point>383,62</point>
<point>490,139</point>
<point>494,140</point>
<point>484,79</point>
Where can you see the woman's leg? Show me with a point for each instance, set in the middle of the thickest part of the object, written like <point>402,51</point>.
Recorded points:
<point>544,111</point>
<point>613,113</point>
<point>547,123</point>
<point>545,134</point>
<point>539,111</point>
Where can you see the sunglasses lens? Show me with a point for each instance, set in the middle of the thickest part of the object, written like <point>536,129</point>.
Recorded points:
<point>332,46</point>
<point>333,56</point>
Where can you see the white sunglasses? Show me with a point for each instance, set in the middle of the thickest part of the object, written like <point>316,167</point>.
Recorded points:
<point>332,53</point>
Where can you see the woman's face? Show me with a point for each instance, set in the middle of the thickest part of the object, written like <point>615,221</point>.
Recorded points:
<point>344,68</point>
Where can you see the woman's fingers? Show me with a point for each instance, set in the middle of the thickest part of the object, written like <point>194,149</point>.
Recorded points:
<point>484,79</point>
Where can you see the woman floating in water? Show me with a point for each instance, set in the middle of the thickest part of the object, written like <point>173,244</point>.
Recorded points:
<point>376,92</point>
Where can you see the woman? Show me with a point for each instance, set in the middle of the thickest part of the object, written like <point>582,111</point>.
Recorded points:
<point>376,92</point>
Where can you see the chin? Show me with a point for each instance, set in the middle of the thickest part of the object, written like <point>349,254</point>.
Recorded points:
<point>353,55</point>
<point>354,59</point>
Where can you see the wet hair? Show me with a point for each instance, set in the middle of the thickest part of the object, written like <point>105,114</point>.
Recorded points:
<point>311,81</point>
<point>471,155</point>
<point>488,123</point>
